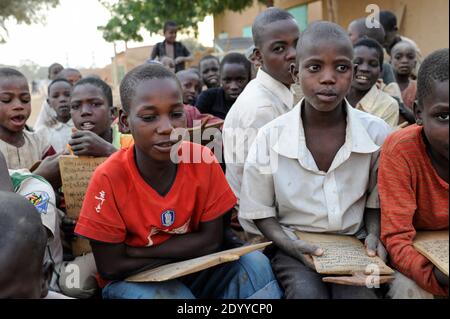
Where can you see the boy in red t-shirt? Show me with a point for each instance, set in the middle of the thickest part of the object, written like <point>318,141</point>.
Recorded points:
<point>413,183</point>
<point>151,204</point>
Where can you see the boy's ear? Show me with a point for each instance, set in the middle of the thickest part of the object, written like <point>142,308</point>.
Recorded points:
<point>258,56</point>
<point>124,127</point>
<point>114,113</point>
<point>293,70</point>
<point>47,271</point>
<point>417,108</point>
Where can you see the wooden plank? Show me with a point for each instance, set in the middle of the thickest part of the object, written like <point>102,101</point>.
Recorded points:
<point>434,246</point>
<point>343,255</point>
<point>183,268</point>
<point>359,279</point>
<point>76,172</point>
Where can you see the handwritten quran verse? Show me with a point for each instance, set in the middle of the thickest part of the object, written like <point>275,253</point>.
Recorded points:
<point>434,246</point>
<point>343,255</point>
<point>76,172</point>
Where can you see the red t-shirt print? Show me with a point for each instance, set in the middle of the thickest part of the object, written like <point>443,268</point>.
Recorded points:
<point>120,207</point>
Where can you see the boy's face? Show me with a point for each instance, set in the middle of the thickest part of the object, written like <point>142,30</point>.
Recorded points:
<point>190,83</point>
<point>325,72</point>
<point>71,76</point>
<point>353,32</point>
<point>209,69</point>
<point>90,110</point>
<point>234,79</point>
<point>171,34</point>
<point>155,111</point>
<point>367,68</point>
<point>15,103</point>
<point>59,99</point>
<point>434,115</point>
<point>54,71</point>
<point>403,58</point>
<point>278,49</point>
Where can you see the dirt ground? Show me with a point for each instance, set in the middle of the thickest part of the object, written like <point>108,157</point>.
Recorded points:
<point>36,103</point>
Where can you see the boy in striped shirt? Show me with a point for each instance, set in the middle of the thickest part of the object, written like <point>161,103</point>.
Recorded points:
<point>413,184</point>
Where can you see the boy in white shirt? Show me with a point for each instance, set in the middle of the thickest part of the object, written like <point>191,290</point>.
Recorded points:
<point>275,33</point>
<point>314,169</point>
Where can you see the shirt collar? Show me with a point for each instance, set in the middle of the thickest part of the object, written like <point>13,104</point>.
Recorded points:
<point>56,125</point>
<point>278,88</point>
<point>366,103</point>
<point>292,141</point>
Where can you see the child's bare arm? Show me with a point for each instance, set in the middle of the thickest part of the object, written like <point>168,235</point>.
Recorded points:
<point>182,59</point>
<point>90,144</point>
<point>206,240</point>
<point>299,249</point>
<point>49,169</point>
<point>373,243</point>
<point>113,263</point>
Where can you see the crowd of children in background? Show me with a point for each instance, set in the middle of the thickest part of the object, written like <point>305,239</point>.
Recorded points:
<point>326,130</point>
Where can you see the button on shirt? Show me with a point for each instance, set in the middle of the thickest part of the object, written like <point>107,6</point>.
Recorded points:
<point>380,104</point>
<point>262,100</point>
<point>281,178</point>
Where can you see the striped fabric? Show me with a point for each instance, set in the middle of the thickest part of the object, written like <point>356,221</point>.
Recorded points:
<point>413,197</point>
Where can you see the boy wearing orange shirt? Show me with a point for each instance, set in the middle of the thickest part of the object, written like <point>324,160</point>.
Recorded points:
<point>413,183</point>
<point>149,205</point>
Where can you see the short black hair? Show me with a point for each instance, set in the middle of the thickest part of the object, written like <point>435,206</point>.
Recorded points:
<point>208,57</point>
<point>188,71</point>
<point>371,43</point>
<point>266,17</point>
<point>323,30</point>
<point>54,65</point>
<point>61,74</point>
<point>433,69</point>
<point>237,58</point>
<point>403,42</point>
<point>169,24</point>
<point>388,20</point>
<point>377,34</point>
<point>139,74</point>
<point>56,81</point>
<point>102,85</point>
<point>21,226</point>
<point>10,72</point>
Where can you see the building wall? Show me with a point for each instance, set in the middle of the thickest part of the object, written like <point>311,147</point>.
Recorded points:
<point>233,23</point>
<point>426,22</point>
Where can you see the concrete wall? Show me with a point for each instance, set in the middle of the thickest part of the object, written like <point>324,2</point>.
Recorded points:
<point>232,23</point>
<point>426,22</point>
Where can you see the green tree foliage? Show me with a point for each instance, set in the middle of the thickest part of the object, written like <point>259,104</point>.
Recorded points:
<point>130,16</point>
<point>23,11</point>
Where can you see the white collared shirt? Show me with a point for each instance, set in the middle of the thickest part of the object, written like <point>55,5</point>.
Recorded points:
<point>58,134</point>
<point>281,178</point>
<point>262,100</point>
<point>380,104</point>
